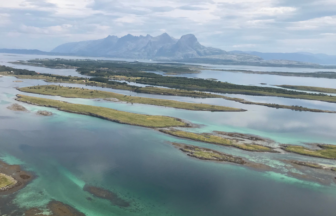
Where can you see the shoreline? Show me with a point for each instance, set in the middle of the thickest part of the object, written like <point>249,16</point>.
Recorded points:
<point>21,177</point>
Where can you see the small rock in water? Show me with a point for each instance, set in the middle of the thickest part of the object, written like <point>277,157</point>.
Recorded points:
<point>17,107</point>
<point>44,113</point>
<point>112,99</point>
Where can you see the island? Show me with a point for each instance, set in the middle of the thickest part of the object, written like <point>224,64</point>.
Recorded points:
<point>317,74</point>
<point>56,208</point>
<point>122,117</point>
<point>307,164</point>
<point>121,66</point>
<point>321,150</point>
<point>208,154</point>
<point>105,82</point>
<point>17,107</point>
<point>75,92</point>
<point>102,73</point>
<point>12,178</point>
<point>44,113</point>
<point>310,88</point>
<point>218,140</point>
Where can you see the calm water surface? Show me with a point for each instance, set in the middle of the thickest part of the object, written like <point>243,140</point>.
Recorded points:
<point>67,151</point>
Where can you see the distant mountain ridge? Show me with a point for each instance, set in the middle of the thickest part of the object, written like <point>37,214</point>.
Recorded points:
<point>185,49</point>
<point>143,47</point>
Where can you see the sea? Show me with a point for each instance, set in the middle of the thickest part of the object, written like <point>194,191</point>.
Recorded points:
<point>67,151</point>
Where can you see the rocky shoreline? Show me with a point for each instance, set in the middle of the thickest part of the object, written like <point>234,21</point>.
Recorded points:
<point>56,208</point>
<point>21,177</point>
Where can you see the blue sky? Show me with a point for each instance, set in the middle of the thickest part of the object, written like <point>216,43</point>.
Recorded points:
<point>260,25</point>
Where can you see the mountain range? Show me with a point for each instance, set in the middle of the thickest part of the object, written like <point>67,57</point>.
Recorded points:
<point>142,47</point>
<point>185,49</point>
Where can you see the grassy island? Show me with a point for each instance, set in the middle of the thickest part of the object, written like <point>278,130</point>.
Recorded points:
<point>208,154</point>
<point>103,79</point>
<point>12,178</point>
<point>213,139</point>
<point>310,88</point>
<point>318,74</point>
<point>73,92</point>
<point>307,164</point>
<point>6,181</point>
<point>106,113</point>
<point>324,151</point>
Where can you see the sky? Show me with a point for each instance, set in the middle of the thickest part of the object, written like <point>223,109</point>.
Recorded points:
<point>248,25</point>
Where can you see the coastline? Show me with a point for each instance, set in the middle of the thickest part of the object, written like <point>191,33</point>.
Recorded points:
<point>21,177</point>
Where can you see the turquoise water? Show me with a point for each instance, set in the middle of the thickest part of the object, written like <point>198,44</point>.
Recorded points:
<point>67,151</point>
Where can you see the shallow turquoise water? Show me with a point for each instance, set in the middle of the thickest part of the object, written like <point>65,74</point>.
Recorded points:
<point>67,151</point>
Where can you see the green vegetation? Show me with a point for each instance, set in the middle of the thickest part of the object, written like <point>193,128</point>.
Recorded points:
<point>6,181</point>
<point>310,88</point>
<point>107,65</point>
<point>209,138</point>
<point>328,75</point>
<point>106,113</point>
<point>325,151</point>
<point>139,77</point>
<point>73,92</point>
<point>333,169</point>
<point>207,154</point>
<point>307,164</point>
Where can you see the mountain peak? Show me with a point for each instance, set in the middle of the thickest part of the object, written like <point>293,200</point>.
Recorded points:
<point>189,37</point>
<point>143,46</point>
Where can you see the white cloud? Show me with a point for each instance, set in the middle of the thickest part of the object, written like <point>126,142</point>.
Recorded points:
<point>321,22</point>
<point>51,30</point>
<point>226,24</point>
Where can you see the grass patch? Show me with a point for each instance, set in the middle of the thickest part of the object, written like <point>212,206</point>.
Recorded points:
<point>6,181</point>
<point>307,164</point>
<point>73,92</point>
<point>310,88</point>
<point>106,113</point>
<point>213,139</point>
<point>325,151</point>
<point>208,154</point>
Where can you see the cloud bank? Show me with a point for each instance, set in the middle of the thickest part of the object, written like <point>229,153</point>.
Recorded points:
<point>261,25</point>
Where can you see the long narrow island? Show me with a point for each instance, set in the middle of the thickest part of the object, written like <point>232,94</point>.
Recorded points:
<point>122,117</point>
<point>105,82</point>
<point>75,92</point>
